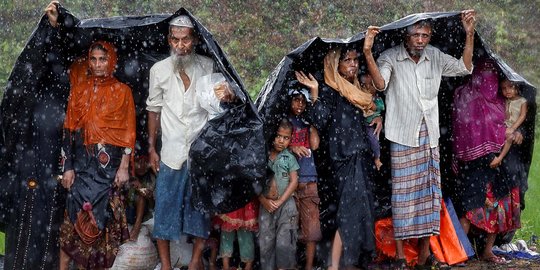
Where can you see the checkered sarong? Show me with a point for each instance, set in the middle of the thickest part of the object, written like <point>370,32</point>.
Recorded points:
<point>416,189</point>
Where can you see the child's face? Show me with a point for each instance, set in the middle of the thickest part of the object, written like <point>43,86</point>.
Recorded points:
<point>282,139</point>
<point>298,104</point>
<point>141,166</point>
<point>509,90</point>
<point>367,81</point>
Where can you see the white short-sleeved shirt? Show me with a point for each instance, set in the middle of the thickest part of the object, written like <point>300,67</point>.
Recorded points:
<point>412,89</point>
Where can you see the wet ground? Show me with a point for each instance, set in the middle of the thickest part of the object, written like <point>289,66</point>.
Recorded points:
<point>514,264</point>
<point>471,265</point>
<point>482,265</point>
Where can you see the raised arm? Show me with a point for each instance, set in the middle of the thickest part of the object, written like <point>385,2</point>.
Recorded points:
<point>52,13</point>
<point>378,80</point>
<point>310,82</point>
<point>468,20</point>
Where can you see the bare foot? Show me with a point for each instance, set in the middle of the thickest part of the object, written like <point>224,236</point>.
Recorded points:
<point>496,162</point>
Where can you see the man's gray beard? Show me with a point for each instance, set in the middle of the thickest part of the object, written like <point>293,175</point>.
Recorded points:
<point>416,53</point>
<point>183,62</point>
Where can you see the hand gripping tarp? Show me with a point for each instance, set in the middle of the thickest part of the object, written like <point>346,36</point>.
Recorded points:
<point>448,36</point>
<point>226,161</point>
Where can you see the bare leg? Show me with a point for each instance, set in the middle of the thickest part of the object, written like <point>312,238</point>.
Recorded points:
<point>213,257</point>
<point>249,265</point>
<point>164,254</point>
<point>497,160</point>
<point>423,248</point>
<point>337,247</point>
<point>488,250</point>
<point>225,261</point>
<point>310,254</point>
<point>64,260</point>
<point>139,206</point>
<point>465,224</point>
<point>399,250</point>
<point>196,257</point>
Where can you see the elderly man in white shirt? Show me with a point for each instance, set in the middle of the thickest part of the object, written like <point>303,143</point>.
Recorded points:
<point>182,98</point>
<point>411,75</point>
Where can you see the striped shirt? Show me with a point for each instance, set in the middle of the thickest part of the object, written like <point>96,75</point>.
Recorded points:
<point>411,92</point>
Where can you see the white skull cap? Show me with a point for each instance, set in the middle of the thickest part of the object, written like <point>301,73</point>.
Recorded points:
<point>181,21</point>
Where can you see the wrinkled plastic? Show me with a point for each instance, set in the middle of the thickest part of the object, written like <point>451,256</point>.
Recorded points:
<point>448,247</point>
<point>225,174</point>
<point>272,101</point>
<point>448,36</point>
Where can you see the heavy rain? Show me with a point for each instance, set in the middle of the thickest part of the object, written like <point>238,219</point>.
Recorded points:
<point>266,55</point>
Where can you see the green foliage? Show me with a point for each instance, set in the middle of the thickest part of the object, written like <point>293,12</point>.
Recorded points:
<point>530,221</point>
<point>257,34</point>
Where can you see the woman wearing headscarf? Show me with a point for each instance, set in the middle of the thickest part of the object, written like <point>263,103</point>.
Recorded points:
<point>99,135</point>
<point>487,199</point>
<point>337,112</point>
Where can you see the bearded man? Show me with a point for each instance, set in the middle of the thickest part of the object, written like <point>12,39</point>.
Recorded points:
<point>411,73</point>
<point>180,102</point>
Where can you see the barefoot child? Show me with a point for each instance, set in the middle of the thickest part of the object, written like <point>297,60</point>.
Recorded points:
<point>367,84</point>
<point>304,140</point>
<point>278,217</point>
<point>516,111</point>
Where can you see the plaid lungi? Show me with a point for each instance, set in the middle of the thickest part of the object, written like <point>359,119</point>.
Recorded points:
<point>416,189</point>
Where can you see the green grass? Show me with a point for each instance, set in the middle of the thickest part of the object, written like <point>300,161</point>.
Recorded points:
<point>530,217</point>
<point>2,243</point>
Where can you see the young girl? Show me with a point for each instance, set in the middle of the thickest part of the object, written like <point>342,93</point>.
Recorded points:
<point>305,138</point>
<point>240,223</point>
<point>370,114</point>
<point>516,111</point>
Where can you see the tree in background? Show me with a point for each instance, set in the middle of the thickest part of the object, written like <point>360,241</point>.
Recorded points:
<point>257,34</point>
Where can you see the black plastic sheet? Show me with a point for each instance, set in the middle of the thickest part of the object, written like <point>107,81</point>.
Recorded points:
<point>448,35</point>
<point>227,162</point>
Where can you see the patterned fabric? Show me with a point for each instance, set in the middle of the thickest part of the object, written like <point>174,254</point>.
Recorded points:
<point>300,137</point>
<point>497,216</point>
<point>244,218</point>
<point>416,189</point>
<point>102,252</point>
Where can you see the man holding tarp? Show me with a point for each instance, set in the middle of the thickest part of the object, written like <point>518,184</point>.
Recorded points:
<point>411,75</point>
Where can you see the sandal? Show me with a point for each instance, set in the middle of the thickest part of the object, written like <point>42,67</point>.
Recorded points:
<point>496,260</point>
<point>436,264</point>
<point>400,264</point>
